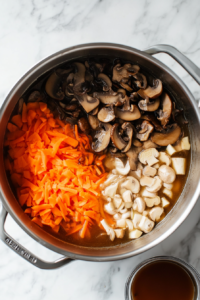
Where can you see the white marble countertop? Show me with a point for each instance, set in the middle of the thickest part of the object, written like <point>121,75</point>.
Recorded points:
<point>32,30</point>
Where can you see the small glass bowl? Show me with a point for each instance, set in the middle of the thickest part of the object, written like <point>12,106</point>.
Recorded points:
<point>188,268</point>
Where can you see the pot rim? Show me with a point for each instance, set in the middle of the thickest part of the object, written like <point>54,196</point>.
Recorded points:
<point>44,63</point>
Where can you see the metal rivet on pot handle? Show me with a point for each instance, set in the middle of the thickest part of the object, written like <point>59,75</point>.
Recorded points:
<point>23,252</point>
<point>185,62</point>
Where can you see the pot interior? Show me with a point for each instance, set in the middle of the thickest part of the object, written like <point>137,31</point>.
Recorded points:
<point>182,97</point>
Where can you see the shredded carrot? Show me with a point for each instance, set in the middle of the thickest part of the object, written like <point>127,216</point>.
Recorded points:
<point>55,172</point>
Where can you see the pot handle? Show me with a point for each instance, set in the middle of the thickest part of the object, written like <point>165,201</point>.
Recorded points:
<point>23,252</point>
<point>185,62</point>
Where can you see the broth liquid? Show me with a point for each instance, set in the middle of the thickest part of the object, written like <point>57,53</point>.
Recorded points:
<point>162,281</point>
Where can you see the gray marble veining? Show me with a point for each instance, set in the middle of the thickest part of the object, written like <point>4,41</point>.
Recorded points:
<point>31,30</point>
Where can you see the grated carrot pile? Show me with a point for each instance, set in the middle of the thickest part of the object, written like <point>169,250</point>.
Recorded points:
<point>54,171</point>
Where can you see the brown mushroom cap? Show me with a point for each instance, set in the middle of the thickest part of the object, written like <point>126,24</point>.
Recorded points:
<point>88,103</point>
<point>79,76</point>
<point>116,138</point>
<point>152,92</point>
<point>84,125</point>
<point>147,105</point>
<point>129,130</point>
<point>165,113</point>
<point>94,122</point>
<point>107,83</point>
<point>124,72</point>
<point>106,114</point>
<point>151,118</point>
<point>141,81</point>
<point>128,115</point>
<point>53,87</point>
<point>102,138</point>
<point>146,129</point>
<point>132,155</point>
<point>110,97</point>
<point>149,144</point>
<point>169,136</point>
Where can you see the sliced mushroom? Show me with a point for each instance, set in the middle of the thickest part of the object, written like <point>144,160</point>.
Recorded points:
<point>149,144</point>
<point>149,171</point>
<point>94,112</point>
<point>128,130</point>
<point>107,84</point>
<point>152,92</point>
<point>156,186</point>
<point>111,190</point>
<point>137,143</point>
<point>151,118</point>
<point>139,205</point>
<point>94,122</point>
<point>53,87</point>
<point>123,170</point>
<point>132,155</point>
<point>164,158</point>
<point>169,136</point>
<point>136,220</point>
<point>148,156</point>
<point>134,234</point>
<point>88,103</point>
<point>108,229</point>
<point>146,225</point>
<point>147,105</point>
<point>102,138</point>
<point>165,202</point>
<point>145,131</point>
<point>141,81</point>
<point>109,208</point>
<point>117,201</point>
<point>79,77</point>
<point>110,97</point>
<point>106,114</point>
<point>83,125</point>
<point>131,184</point>
<point>127,196</point>
<point>35,96</point>
<point>116,138</point>
<point>128,115</point>
<point>146,181</point>
<point>165,113</point>
<point>124,72</point>
<point>155,213</point>
<point>146,193</point>
<point>185,144</point>
<point>150,202</point>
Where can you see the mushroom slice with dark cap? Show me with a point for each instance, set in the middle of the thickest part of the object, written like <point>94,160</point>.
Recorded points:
<point>132,155</point>
<point>110,97</point>
<point>149,144</point>
<point>116,137</point>
<point>134,97</point>
<point>87,102</point>
<point>128,115</point>
<point>146,129</point>
<point>83,125</point>
<point>106,114</point>
<point>107,83</point>
<point>102,137</point>
<point>152,92</point>
<point>168,136</point>
<point>147,105</point>
<point>53,87</point>
<point>128,129</point>
<point>165,113</point>
<point>35,96</point>
<point>137,143</point>
<point>94,112</point>
<point>124,72</point>
<point>140,80</point>
<point>94,122</point>
<point>79,77</point>
<point>151,118</point>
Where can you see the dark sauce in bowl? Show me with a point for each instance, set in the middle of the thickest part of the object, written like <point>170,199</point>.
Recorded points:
<point>162,280</point>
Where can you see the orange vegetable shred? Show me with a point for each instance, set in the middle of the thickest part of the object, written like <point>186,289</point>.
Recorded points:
<point>55,172</point>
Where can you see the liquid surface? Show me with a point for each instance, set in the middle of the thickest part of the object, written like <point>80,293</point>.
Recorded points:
<point>162,281</point>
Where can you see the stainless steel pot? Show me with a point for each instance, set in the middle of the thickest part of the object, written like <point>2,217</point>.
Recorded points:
<point>174,85</point>
<point>194,275</point>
